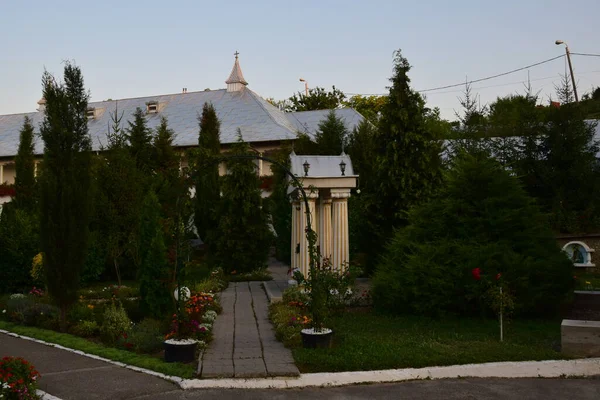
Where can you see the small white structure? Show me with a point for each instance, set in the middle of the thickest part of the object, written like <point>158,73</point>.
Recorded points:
<point>327,181</point>
<point>580,253</point>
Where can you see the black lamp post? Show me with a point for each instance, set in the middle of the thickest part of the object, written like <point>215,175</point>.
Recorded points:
<point>306,166</point>
<point>343,168</point>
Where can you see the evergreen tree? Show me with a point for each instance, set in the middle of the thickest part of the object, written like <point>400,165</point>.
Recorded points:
<point>242,243</point>
<point>120,185</point>
<point>407,168</point>
<point>65,184</point>
<point>154,274</point>
<point>207,173</point>
<point>169,181</point>
<point>25,193</point>
<point>482,218</point>
<point>279,207</point>
<point>332,135</point>
<point>569,172</point>
<point>140,141</point>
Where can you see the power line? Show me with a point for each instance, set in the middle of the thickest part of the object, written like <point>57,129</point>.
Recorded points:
<point>493,76</point>
<point>473,81</point>
<point>586,54</point>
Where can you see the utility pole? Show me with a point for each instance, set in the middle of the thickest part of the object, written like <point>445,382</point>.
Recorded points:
<point>559,42</point>
<point>305,86</point>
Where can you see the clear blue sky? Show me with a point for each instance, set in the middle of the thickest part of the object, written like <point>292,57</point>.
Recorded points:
<point>138,48</point>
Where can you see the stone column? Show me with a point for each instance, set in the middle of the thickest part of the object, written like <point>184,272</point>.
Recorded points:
<point>1,174</point>
<point>304,259</point>
<point>296,220</point>
<point>341,251</point>
<point>325,234</point>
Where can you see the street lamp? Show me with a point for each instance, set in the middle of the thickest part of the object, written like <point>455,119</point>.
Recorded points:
<point>559,42</point>
<point>343,168</point>
<point>306,166</point>
<point>305,85</point>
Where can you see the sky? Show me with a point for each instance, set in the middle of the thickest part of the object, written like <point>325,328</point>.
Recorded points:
<point>143,48</point>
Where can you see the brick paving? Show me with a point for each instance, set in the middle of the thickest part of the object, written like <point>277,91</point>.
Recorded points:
<point>244,344</point>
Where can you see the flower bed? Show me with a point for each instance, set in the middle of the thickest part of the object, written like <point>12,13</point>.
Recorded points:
<point>18,379</point>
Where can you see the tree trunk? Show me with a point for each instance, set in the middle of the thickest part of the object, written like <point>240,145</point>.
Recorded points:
<point>117,270</point>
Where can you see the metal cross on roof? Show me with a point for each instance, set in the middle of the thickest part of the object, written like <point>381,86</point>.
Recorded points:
<point>236,54</point>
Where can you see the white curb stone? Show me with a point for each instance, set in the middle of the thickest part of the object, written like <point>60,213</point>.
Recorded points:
<point>46,396</point>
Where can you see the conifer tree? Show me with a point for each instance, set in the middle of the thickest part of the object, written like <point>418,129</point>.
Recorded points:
<point>25,194</point>
<point>407,165</point>
<point>207,173</point>
<point>332,135</point>
<point>169,182</point>
<point>120,186</point>
<point>154,274</point>
<point>242,243</point>
<point>65,184</point>
<point>140,141</point>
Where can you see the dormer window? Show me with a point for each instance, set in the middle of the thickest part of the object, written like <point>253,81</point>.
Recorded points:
<point>91,113</point>
<point>152,107</point>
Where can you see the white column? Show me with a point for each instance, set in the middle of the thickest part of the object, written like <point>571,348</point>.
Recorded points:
<point>325,237</point>
<point>304,259</point>
<point>1,174</point>
<point>341,250</point>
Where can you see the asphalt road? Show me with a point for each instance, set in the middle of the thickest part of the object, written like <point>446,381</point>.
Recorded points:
<point>481,389</point>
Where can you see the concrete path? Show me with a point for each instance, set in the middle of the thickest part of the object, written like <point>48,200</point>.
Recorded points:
<point>244,344</point>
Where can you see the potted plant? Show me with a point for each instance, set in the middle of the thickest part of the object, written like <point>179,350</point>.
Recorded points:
<point>317,336</point>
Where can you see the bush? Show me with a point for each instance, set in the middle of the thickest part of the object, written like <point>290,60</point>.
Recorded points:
<point>115,322</point>
<point>146,336</point>
<point>81,312</point>
<point>17,305</point>
<point>18,379</point>
<point>95,261</point>
<point>288,321</point>
<point>85,329</point>
<point>19,243</point>
<point>481,219</point>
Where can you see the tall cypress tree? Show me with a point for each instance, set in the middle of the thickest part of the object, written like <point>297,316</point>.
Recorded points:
<point>207,174</point>
<point>154,270</point>
<point>25,196</point>
<point>169,182</point>
<point>243,240</point>
<point>65,184</point>
<point>140,141</point>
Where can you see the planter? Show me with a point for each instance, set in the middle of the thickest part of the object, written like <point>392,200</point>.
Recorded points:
<point>180,350</point>
<point>316,340</point>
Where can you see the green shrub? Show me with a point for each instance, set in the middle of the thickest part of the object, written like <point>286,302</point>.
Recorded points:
<point>42,315</point>
<point>288,321</point>
<point>294,294</point>
<point>16,306</point>
<point>19,243</point>
<point>147,336</point>
<point>85,329</point>
<point>481,219</point>
<point>95,262</point>
<point>115,322</point>
<point>133,309</point>
<point>259,274</point>
<point>81,312</point>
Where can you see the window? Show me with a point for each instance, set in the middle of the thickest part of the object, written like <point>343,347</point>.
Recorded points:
<point>579,253</point>
<point>152,107</point>
<point>91,113</point>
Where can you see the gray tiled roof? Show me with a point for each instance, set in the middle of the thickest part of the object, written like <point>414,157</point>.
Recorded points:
<point>308,121</point>
<point>258,120</point>
<point>321,166</point>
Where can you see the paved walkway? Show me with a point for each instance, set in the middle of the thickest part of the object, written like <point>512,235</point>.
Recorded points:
<point>244,344</point>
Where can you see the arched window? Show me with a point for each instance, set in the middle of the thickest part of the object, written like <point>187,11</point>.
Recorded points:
<point>579,253</point>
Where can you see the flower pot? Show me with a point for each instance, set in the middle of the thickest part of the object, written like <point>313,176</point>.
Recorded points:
<point>312,339</point>
<point>180,350</point>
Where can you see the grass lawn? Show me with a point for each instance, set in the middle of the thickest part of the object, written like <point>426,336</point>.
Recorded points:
<point>127,357</point>
<point>365,341</point>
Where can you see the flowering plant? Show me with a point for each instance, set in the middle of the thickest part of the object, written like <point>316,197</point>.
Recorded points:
<point>195,320</point>
<point>498,297</point>
<point>18,379</point>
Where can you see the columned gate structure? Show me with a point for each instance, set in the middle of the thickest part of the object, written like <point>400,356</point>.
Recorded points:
<point>327,181</point>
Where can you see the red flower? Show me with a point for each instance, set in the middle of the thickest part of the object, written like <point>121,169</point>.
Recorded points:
<point>476,273</point>
<point>498,276</point>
